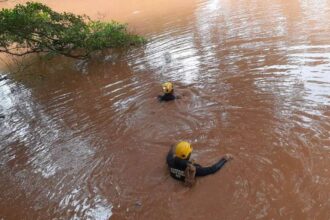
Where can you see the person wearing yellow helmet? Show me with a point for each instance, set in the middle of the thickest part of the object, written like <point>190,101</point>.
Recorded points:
<point>178,161</point>
<point>168,92</point>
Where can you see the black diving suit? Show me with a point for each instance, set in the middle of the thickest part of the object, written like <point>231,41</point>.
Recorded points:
<point>177,167</point>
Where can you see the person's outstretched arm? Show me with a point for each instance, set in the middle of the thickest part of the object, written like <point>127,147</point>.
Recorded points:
<point>203,171</point>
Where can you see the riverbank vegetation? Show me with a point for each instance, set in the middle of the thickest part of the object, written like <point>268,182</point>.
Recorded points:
<point>36,28</point>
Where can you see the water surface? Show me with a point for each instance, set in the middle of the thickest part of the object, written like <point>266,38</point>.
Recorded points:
<point>89,140</point>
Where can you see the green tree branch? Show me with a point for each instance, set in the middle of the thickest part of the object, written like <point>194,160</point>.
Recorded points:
<point>35,28</point>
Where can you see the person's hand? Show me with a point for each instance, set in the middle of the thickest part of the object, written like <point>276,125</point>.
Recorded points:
<point>228,157</point>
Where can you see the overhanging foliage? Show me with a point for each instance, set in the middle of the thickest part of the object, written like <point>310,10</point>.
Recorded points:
<point>35,28</point>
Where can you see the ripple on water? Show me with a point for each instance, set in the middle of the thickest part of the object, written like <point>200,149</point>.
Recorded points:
<point>48,149</point>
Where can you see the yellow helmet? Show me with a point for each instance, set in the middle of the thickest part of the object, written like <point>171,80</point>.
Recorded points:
<point>183,149</point>
<point>167,87</point>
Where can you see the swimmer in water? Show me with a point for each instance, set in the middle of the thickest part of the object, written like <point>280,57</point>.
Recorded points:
<point>168,92</point>
<point>181,168</point>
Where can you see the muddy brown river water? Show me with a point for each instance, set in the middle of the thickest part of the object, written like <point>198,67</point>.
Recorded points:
<point>89,140</point>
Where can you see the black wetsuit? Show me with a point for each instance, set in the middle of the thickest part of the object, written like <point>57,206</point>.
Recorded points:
<point>167,97</point>
<point>177,167</point>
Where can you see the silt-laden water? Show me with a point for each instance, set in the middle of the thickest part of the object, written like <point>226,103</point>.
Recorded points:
<point>89,140</point>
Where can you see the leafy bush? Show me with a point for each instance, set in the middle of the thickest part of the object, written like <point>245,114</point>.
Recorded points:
<point>35,28</point>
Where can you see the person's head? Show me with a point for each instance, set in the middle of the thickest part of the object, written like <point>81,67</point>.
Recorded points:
<point>167,87</point>
<point>183,150</point>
